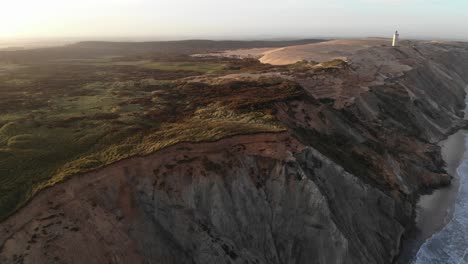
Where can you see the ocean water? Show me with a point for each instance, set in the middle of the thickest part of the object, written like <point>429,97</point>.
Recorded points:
<point>450,245</point>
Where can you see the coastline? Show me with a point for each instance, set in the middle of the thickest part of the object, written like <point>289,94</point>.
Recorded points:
<point>435,210</point>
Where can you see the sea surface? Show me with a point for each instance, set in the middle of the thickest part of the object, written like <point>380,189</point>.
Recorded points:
<point>450,245</point>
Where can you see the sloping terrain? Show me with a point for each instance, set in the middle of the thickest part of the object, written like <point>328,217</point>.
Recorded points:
<point>320,52</point>
<point>317,52</point>
<point>336,156</point>
<point>64,118</point>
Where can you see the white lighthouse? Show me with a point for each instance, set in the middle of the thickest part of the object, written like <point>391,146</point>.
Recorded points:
<point>395,39</point>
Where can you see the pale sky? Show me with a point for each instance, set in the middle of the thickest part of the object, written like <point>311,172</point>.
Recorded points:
<point>232,19</point>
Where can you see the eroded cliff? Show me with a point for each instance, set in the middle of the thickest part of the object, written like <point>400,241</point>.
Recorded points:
<point>338,187</point>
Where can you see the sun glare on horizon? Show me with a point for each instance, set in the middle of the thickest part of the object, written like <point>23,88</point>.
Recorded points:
<point>29,18</point>
<point>228,19</point>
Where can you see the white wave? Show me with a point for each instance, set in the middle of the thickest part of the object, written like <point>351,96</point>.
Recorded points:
<point>450,245</point>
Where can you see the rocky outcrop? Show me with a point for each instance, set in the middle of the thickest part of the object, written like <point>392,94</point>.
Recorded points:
<point>338,187</point>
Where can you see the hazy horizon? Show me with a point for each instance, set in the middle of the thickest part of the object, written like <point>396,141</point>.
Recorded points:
<point>139,20</point>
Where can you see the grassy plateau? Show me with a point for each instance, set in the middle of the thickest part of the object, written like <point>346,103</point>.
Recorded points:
<point>60,118</point>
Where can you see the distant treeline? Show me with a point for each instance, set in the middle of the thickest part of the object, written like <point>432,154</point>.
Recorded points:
<point>93,49</point>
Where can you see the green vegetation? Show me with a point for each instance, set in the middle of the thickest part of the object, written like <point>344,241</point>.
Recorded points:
<point>306,68</point>
<point>333,64</point>
<point>177,66</point>
<point>63,118</point>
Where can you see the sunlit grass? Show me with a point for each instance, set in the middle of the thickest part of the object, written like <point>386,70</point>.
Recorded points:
<point>189,66</point>
<point>50,131</point>
<point>202,67</point>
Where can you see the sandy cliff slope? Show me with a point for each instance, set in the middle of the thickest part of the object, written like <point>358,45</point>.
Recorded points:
<point>338,187</point>
<point>318,52</point>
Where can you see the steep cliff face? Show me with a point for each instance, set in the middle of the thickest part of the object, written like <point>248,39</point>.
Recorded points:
<point>241,200</point>
<point>338,187</point>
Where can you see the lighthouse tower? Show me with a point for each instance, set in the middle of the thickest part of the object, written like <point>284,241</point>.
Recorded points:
<point>395,39</point>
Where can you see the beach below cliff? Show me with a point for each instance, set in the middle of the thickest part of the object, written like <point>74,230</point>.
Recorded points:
<point>435,210</point>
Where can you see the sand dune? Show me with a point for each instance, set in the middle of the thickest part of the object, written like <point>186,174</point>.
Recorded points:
<point>319,52</point>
